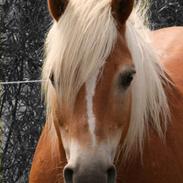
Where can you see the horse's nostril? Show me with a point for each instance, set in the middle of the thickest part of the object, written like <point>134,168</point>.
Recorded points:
<point>68,175</point>
<point>111,175</point>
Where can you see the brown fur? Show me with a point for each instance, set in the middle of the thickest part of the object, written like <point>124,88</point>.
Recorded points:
<point>45,167</point>
<point>121,9</point>
<point>57,7</point>
<point>162,162</point>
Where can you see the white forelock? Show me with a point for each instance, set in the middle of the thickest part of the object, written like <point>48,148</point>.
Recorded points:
<point>78,45</point>
<point>150,107</point>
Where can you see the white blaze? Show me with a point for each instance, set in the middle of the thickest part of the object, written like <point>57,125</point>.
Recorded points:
<point>90,92</point>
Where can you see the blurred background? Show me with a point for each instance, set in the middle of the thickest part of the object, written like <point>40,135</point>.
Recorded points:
<point>23,25</point>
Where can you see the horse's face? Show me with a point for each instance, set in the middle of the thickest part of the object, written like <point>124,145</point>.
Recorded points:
<point>91,134</point>
<point>92,131</point>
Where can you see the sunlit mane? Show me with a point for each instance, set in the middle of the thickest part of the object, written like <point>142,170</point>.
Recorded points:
<point>149,101</point>
<point>78,46</point>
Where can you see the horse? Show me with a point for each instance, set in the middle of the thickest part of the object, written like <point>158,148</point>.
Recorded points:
<point>114,96</point>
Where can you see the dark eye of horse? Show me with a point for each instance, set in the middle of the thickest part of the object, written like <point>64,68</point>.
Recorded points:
<point>52,79</point>
<point>125,78</point>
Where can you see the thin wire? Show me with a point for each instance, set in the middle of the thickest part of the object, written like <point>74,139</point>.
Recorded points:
<point>21,82</point>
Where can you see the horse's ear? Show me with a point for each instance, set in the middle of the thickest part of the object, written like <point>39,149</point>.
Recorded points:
<point>57,7</point>
<point>121,9</point>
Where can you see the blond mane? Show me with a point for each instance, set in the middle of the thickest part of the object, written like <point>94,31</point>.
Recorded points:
<point>79,44</point>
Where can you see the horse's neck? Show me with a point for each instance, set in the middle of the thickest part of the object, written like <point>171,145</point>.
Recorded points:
<point>47,164</point>
<point>168,43</point>
<point>163,161</point>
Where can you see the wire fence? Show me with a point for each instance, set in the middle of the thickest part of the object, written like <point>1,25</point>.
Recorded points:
<point>21,82</point>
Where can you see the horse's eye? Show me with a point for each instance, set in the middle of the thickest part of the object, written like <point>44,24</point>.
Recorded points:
<point>125,78</point>
<point>52,79</point>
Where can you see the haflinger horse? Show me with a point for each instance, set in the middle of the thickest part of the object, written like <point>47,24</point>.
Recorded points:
<point>114,98</point>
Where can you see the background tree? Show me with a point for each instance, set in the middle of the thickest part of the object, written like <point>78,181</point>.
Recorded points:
<point>22,29</point>
<point>165,13</point>
<point>23,26</point>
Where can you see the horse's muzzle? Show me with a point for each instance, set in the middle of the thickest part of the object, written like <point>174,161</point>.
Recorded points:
<point>92,174</point>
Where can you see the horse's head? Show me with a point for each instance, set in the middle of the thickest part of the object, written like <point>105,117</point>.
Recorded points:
<point>101,76</point>
<point>91,71</point>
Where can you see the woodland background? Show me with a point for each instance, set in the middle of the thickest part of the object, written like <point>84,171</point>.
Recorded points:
<point>23,25</point>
